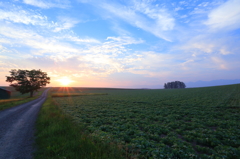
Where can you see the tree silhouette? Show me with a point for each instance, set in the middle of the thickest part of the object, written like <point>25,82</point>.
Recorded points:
<point>27,81</point>
<point>174,84</point>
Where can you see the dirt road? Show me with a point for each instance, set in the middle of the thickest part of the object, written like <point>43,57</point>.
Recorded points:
<point>17,129</point>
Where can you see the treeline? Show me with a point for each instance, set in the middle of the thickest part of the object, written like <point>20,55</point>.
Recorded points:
<point>175,84</point>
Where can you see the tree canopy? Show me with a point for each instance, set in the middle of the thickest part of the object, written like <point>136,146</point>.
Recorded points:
<point>174,84</point>
<point>27,81</point>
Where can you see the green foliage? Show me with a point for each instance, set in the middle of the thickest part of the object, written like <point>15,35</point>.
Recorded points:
<point>180,123</point>
<point>75,94</point>
<point>26,81</point>
<point>57,137</point>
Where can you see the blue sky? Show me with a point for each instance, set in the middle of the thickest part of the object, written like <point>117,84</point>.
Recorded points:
<point>121,43</point>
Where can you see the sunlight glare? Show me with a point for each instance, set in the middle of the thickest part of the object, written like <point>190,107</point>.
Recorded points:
<point>65,81</point>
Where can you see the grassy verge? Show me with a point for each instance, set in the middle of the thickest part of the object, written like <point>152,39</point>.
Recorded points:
<point>58,137</point>
<point>8,103</point>
<point>75,94</point>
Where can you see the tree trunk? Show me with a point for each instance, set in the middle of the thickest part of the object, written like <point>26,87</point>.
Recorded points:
<point>31,94</point>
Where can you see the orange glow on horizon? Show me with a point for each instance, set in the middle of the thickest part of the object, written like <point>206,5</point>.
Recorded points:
<point>65,81</point>
<point>69,81</point>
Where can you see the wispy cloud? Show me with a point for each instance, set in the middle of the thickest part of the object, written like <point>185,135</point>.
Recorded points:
<point>220,63</point>
<point>143,15</point>
<point>98,59</point>
<point>36,42</point>
<point>48,3</point>
<point>226,16</point>
<point>65,23</point>
<point>15,14</point>
<point>118,29</point>
<point>125,40</point>
<point>76,39</point>
<point>46,39</point>
<point>218,44</point>
<point>149,63</point>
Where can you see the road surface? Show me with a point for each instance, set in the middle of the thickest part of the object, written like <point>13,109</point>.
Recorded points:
<point>17,127</point>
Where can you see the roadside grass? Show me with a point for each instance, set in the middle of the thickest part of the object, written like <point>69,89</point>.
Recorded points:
<point>57,136</point>
<point>75,94</point>
<point>17,100</point>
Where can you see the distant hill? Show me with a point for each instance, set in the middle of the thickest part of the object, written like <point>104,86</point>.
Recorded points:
<point>212,83</point>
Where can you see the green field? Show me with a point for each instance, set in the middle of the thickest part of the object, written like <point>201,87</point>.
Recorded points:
<point>17,98</point>
<point>15,94</point>
<point>177,123</point>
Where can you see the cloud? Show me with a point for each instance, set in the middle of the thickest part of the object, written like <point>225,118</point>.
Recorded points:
<point>220,63</point>
<point>186,63</point>
<point>48,3</point>
<point>33,40</point>
<point>65,23</point>
<point>125,40</point>
<point>28,38</point>
<point>99,59</point>
<point>143,15</point>
<point>113,46</point>
<point>226,16</point>
<point>3,50</point>
<point>152,64</point>
<point>18,15</point>
<point>117,28</point>
<point>219,44</point>
<point>76,39</point>
<point>204,54</point>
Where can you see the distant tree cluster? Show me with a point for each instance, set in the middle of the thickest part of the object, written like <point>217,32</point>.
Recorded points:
<point>173,85</point>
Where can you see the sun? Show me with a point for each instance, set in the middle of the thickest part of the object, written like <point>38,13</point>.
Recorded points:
<point>65,81</point>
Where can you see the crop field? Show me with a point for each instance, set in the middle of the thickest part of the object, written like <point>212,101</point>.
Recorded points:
<point>15,94</point>
<point>174,123</point>
<point>75,94</point>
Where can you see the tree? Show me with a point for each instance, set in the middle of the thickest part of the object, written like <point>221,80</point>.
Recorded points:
<point>176,84</point>
<point>165,85</point>
<point>26,81</point>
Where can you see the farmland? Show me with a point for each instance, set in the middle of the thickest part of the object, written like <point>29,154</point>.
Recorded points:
<point>17,98</point>
<point>15,94</point>
<point>175,123</point>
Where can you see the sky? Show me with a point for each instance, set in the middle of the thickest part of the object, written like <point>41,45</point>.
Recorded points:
<point>121,43</point>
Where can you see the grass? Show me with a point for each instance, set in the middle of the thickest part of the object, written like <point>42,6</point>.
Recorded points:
<point>58,137</point>
<point>18,99</point>
<point>10,100</point>
<point>16,94</point>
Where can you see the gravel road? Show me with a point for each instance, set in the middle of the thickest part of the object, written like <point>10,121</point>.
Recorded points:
<point>17,126</point>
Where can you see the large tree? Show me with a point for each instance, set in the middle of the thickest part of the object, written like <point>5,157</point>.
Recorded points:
<point>27,81</point>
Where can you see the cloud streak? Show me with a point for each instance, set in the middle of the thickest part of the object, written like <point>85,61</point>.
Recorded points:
<point>143,15</point>
<point>65,23</point>
<point>226,16</point>
<point>18,15</point>
<point>48,4</point>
